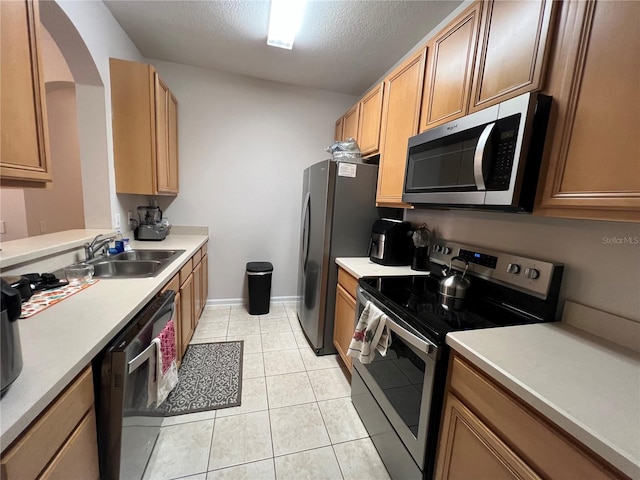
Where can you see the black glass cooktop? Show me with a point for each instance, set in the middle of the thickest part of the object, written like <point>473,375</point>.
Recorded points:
<point>415,300</point>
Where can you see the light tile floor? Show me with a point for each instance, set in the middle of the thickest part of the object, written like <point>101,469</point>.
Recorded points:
<point>296,420</point>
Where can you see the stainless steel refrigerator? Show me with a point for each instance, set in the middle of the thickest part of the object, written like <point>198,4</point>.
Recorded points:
<point>338,211</point>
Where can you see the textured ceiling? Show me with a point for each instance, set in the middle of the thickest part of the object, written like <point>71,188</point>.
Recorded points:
<point>343,46</point>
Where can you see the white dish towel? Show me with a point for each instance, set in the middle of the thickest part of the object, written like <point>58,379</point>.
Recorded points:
<point>371,334</point>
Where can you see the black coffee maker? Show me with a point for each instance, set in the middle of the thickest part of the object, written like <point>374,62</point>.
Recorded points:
<point>421,244</point>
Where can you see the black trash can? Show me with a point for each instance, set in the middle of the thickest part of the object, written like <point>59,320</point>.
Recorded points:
<point>259,274</point>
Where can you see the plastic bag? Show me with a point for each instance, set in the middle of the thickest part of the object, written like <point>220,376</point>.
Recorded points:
<point>347,149</point>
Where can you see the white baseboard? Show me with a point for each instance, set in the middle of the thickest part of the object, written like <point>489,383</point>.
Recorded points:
<point>242,301</point>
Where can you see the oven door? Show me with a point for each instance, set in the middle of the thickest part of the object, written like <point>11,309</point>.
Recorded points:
<point>402,382</point>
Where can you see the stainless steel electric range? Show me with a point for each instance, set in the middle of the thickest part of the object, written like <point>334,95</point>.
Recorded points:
<point>399,396</point>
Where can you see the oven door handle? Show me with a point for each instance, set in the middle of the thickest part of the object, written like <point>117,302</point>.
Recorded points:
<point>419,343</point>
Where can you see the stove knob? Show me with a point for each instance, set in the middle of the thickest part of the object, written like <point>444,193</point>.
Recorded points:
<point>513,268</point>
<point>531,273</point>
<point>446,250</point>
<point>437,248</point>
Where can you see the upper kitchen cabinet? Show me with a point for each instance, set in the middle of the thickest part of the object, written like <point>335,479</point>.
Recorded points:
<point>593,148</point>
<point>447,85</point>
<point>362,122</point>
<point>24,149</point>
<point>337,136</point>
<point>145,126</point>
<point>350,127</point>
<point>512,49</point>
<point>400,117</point>
<point>369,122</point>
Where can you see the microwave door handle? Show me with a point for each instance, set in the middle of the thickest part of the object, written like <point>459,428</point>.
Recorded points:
<point>480,164</point>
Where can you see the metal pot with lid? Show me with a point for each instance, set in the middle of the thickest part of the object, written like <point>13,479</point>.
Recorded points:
<point>453,287</point>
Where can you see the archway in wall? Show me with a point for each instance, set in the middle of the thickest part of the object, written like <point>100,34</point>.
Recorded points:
<point>91,115</point>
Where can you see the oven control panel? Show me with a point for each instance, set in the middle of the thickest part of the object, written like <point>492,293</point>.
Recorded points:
<point>523,273</point>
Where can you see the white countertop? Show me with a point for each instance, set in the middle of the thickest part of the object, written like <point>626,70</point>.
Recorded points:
<point>60,341</point>
<point>363,267</point>
<point>26,249</point>
<point>586,385</point>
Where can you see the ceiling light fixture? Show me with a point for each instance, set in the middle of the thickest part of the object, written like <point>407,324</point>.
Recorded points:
<point>284,22</point>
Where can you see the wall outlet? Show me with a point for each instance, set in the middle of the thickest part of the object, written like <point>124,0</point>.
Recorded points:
<point>3,227</point>
<point>117,220</point>
<point>43,226</point>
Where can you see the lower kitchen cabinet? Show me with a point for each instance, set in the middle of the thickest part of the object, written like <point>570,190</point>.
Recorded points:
<point>592,149</point>
<point>174,284</point>
<point>191,286</point>
<point>205,278</point>
<point>62,442</point>
<point>487,432</point>
<point>345,314</point>
<point>197,293</point>
<point>472,450</point>
<point>187,312</point>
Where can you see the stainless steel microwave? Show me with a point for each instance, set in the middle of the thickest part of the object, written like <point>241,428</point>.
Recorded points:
<point>487,160</point>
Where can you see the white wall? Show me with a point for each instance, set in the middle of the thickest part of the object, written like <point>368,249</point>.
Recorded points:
<point>13,214</point>
<point>599,272</point>
<point>244,144</point>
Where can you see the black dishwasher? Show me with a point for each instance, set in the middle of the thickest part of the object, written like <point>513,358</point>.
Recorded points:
<point>127,426</point>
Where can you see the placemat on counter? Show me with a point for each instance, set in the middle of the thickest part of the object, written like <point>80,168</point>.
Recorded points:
<point>43,299</point>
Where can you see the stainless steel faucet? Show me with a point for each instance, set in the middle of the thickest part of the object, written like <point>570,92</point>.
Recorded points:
<point>96,244</point>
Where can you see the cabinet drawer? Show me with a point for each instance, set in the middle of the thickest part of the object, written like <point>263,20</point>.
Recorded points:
<point>196,257</point>
<point>185,271</point>
<point>203,250</point>
<point>348,282</point>
<point>31,453</point>
<point>78,458</point>
<point>550,451</point>
<point>174,284</point>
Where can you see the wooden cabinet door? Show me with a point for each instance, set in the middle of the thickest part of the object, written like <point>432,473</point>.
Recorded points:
<point>162,135</point>
<point>197,293</point>
<point>205,280</point>
<point>400,116</point>
<point>186,320</point>
<point>449,72</point>
<point>337,136</point>
<point>177,326</point>
<point>514,37</point>
<point>593,142</point>
<point>344,323</point>
<point>24,144</point>
<point>350,129</point>
<point>469,449</point>
<point>369,122</point>
<point>145,130</point>
<point>78,457</point>
<point>173,143</point>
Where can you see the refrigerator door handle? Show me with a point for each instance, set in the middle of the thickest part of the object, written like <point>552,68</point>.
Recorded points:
<point>306,231</point>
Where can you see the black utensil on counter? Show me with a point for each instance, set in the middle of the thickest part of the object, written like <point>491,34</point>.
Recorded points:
<point>45,281</point>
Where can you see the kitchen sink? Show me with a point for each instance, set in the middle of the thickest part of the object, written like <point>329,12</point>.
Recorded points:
<point>146,255</point>
<point>133,264</point>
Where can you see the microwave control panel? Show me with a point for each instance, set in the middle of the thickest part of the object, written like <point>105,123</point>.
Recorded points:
<point>504,145</point>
